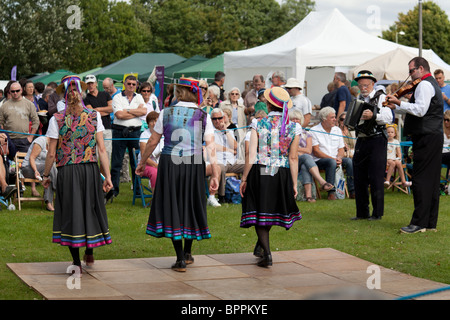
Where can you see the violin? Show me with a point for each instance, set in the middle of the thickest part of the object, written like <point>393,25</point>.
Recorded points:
<point>404,90</point>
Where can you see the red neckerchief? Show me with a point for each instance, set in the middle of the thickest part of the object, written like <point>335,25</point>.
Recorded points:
<point>426,76</point>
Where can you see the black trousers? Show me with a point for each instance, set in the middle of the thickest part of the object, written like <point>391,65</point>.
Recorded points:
<point>369,166</point>
<point>427,158</point>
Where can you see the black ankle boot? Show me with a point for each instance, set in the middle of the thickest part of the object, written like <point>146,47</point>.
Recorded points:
<point>179,266</point>
<point>258,251</point>
<point>265,261</point>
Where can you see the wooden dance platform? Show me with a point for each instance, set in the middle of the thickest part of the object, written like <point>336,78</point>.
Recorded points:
<point>295,275</point>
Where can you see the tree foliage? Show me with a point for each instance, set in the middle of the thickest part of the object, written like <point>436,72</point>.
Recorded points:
<point>35,36</point>
<point>435,29</point>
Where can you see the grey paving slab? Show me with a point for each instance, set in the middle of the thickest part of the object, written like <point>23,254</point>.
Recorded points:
<point>299,274</point>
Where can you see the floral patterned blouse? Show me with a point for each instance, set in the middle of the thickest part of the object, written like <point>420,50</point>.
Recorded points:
<point>273,149</point>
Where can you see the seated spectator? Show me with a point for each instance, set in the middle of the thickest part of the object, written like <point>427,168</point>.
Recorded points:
<point>33,167</point>
<point>226,119</point>
<point>349,137</point>
<point>306,164</point>
<point>8,151</point>
<point>226,150</point>
<point>328,99</point>
<point>151,168</point>
<point>394,158</point>
<point>204,87</point>
<point>328,150</point>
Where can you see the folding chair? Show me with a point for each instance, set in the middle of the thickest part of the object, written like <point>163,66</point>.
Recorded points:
<point>21,180</point>
<point>140,189</point>
<point>396,184</point>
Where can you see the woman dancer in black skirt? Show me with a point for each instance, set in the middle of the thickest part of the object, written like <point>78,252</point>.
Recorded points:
<point>179,199</point>
<point>269,181</point>
<point>76,144</point>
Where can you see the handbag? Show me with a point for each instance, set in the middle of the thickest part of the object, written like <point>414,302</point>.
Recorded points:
<point>339,183</point>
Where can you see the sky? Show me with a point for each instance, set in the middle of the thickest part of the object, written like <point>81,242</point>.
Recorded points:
<point>374,16</point>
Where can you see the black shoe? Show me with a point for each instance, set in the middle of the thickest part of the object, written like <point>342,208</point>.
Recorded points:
<point>179,266</point>
<point>374,218</point>
<point>9,192</point>
<point>258,251</point>
<point>188,258</point>
<point>359,218</point>
<point>265,261</point>
<point>412,229</point>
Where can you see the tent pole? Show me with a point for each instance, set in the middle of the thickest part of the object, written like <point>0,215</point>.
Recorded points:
<point>420,28</point>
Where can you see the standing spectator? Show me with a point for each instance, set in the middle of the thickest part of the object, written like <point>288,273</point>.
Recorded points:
<point>269,182</point>
<point>300,101</point>
<point>15,116</point>
<point>128,108</point>
<point>343,97</point>
<point>328,150</point>
<point>53,100</point>
<point>108,86</point>
<point>102,103</point>
<point>423,123</point>
<point>39,88</point>
<point>151,101</point>
<point>219,80</point>
<point>29,93</point>
<point>278,79</point>
<point>214,96</point>
<point>179,204</point>
<point>251,98</point>
<point>446,146</point>
<point>76,144</point>
<point>328,99</point>
<point>445,88</point>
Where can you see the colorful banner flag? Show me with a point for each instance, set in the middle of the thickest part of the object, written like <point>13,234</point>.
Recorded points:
<point>14,74</point>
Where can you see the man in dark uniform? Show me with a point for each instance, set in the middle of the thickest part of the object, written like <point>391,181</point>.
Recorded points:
<point>369,160</point>
<point>423,123</point>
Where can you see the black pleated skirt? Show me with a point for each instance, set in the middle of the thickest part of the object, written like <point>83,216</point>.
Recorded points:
<point>80,218</point>
<point>178,208</point>
<point>269,200</point>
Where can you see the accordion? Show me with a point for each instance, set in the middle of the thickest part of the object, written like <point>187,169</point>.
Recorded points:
<point>353,118</point>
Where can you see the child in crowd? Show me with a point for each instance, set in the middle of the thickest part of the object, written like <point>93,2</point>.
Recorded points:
<point>394,158</point>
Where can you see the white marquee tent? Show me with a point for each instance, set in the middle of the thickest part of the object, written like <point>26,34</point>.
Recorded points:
<point>322,43</point>
<point>391,65</point>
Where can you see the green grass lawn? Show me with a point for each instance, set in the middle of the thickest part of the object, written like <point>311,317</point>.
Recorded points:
<point>25,236</point>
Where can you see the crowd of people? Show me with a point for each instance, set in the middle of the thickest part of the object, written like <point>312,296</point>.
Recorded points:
<point>265,135</point>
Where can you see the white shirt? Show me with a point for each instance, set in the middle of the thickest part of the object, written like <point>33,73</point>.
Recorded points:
<point>385,115</point>
<point>302,103</point>
<point>329,143</point>
<point>149,106</point>
<point>423,94</point>
<point>121,103</point>
<point>225,139</point>
<point>53,129</point>
<point>145,135</point>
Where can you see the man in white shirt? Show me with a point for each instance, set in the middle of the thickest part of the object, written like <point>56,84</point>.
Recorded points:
<point>226,149</point>
<point>300,101</point>
<point>128,107</point>
<point>328,150</point>
<point>423,123</point>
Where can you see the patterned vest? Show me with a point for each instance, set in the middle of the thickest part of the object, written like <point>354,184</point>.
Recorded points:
<point>273,149</point>
<point>76,138</point>
<point>184,128</point>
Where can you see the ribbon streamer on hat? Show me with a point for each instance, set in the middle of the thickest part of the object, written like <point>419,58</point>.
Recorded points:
<point>194,87</point>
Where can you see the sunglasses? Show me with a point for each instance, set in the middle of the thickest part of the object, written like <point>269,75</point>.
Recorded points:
<point>14,91</point>
<point>213,119</point>
<point>446,120</point>
<point>131,84</point>
<point>412,70</point>
<point>146,91</point>
<point>234,94</point>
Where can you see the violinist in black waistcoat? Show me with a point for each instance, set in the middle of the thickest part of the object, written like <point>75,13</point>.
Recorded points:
<point>423,123</point>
